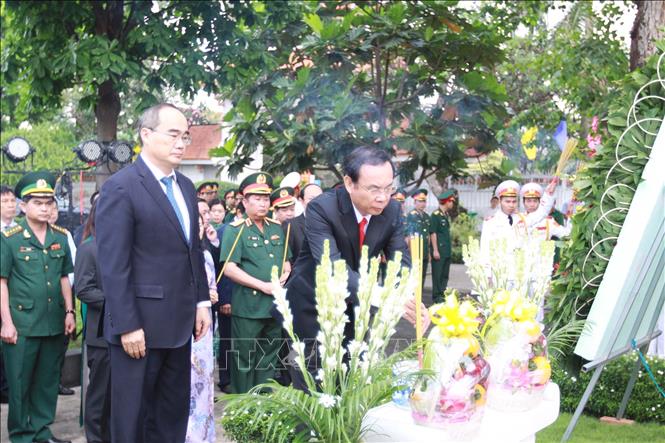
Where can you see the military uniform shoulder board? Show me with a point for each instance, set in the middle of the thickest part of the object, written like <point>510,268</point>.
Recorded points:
<point>272,220</point>
<point>60,229</point>
<point>11,231</point>
<point>436,212</point>
<point>414,212</point>
<point>237,223</point>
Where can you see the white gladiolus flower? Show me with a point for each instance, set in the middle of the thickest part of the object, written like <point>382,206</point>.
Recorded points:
<point>327,401</point>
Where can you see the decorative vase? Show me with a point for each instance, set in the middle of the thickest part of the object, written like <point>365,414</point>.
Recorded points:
<point>402,376</point>
<point>517,353</point>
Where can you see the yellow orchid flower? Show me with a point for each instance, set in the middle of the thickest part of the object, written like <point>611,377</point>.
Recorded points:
<point>455,319</point>
<point>529,135</point>
<point>514,306</point>
<point>530,152</point>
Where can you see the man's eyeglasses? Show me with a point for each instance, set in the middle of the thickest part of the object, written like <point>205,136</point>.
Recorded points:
<point>185,137</point>
<point>376,191</point>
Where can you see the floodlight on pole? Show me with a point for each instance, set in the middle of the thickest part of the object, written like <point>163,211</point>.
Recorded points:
<point>120,151</point>
<point>17,149</point>
<point>89,151</point>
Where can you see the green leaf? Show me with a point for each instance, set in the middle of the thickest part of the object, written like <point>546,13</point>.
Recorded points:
<point>429,32</point>
<point>314,22</point>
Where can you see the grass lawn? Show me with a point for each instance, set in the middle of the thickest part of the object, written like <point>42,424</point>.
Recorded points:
<point>590,429</point>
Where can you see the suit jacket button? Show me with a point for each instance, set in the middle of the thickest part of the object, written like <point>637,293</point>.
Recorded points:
<point>19,307</point>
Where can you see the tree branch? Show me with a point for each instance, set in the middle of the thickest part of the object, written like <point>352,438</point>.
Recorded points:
<point>415,94</point>
<point>128,24</point>
<point>422,177</point>
<point>385,78</point>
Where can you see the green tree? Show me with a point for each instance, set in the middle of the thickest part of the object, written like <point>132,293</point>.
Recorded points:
<point>312,80</point>
<point>48,47</point>
<point>570,71</point>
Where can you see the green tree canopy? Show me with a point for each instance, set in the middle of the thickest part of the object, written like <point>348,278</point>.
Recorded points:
<point>312,80</point>
<point>48,47</point>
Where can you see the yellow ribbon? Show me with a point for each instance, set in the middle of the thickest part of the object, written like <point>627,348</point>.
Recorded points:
<point>455,319</point>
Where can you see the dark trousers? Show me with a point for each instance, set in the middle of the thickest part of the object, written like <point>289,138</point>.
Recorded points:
<point>150,395</point>
<point>256,342</point>
<point>440,274</point>
<point>4,389</point>
<point>33,373</point>
<point>98,396</point>
<point>224,351</point>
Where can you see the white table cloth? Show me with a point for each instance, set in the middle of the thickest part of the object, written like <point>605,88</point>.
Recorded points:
<point>390,423</point>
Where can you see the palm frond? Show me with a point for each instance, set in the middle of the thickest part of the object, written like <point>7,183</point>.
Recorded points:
<point>563,338</point>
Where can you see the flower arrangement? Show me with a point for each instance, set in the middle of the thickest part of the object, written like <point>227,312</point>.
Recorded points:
<point>511,294</point>
<point>526,269</point>
<point>452,395</point>
<point>517,352</point>
<point>351,379</point>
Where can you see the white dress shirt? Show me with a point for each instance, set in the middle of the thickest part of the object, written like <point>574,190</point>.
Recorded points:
<point>359,216</point>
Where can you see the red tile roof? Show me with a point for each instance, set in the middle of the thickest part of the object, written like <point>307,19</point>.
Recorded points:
<point>204,138</point>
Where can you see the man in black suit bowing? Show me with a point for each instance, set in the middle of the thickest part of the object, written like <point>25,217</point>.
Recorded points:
<point>154,283</point>
<point>359,213</point>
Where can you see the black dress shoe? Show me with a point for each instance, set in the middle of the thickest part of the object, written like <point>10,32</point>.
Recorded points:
<point>225,389</point>
<point>54,440</point>
<point>62,390</point>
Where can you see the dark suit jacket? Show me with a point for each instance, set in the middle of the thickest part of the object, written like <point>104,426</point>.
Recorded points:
<point>153,277</point>
<point>296,235</point>
<point>331,216</point>
<point>88,286</point>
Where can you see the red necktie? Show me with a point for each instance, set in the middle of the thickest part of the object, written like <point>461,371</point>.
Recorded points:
<point>361,230</point>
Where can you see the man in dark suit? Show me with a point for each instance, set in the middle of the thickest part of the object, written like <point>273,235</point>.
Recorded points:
<point>297,235</point>
<point>359,213</point>
<point>155,288</point>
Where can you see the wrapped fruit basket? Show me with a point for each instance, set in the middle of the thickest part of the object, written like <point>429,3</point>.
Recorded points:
<point>451,392</point>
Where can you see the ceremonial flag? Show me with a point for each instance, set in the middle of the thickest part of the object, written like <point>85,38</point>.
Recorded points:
<point>561,134</point>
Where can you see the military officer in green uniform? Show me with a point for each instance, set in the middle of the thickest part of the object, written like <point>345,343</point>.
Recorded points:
<point>252,247</point>
<point>417,222</point>
<point>441,244</point>
<point>36,308</point>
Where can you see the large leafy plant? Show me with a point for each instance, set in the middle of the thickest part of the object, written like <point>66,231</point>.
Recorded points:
<point>606,185</point>
<point>345,387</point>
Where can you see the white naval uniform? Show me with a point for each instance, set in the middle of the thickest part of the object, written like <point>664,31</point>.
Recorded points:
<point>498,226</point>
<point>547,228</point>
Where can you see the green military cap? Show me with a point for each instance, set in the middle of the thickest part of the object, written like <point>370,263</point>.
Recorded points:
<point>447,195</point>
<point>207,186</point>
<point>257,183</point>
<point>36,184</point>
<point>419,194</point>
<point>282,197</point>
<point>399,195</point>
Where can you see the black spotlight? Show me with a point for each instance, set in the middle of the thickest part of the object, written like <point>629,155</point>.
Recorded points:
<point>120,151</point>
<point>17,149</point>
<point>89,151</point>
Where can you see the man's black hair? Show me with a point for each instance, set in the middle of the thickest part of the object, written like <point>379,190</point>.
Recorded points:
<point>215,201</point>
<point>4,189</point>
<point>364,155</point>
<point>228,191</point>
